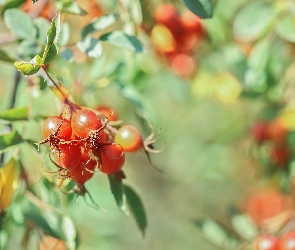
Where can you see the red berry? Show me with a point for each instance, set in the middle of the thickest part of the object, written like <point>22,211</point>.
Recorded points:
<point>85,121</point>
<point>167,15</point>
<point>266,242</point>
<point>267,203</point>
<point>276,131</point>
<point>68,156</point>
<point>51,125</point>
<point>260,131</point>
<point>191,23</point>
<point>129,138</point>
<point>183,64</point>
<point>280,155</point>
<point>112,158</point>
<point>287,242</point>
<point>84,171</point>
<point>106,111</point>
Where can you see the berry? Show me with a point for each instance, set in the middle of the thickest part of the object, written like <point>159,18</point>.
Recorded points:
<point>129,138</point>
<point>191,23</point>
<point>287,242</point>
<point>266,242</point>
<point>68,155</point>
<point>51,126</point>
<point>163,39</point>
<point>260,131</point>
<point>280,155</point>
<point>84,171</point>
<point>84,122</point>
<point>183,64</point>
<point>106,111</point>
<point>167,15</point>
<point>276,131</point>
<point>267,203</point>
<point>112,158</point>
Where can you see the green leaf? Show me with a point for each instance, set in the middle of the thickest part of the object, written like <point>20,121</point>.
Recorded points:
<point>42,25</point>
<point>51,54</point>
<point>34,1</point>
<point>202,8</point>
<point>117,189</point>
<point>12,4</point>
<point>252,21</point>
<point>29,48</point>
<point>91,46</point>
<point>123,40</point>
<point>29,68</point>
<point>9,140</point>
<point>99,24</point>
<point>242,224</point>
<point>20,24</point>
<point>51,48</point>
<point>67,54</point>
<point>42,221</point>
<point>69,231</point>
<point>70,7</point>
<point>215,233</point>
<point>286,29</point>
<point>136,208</point>
<point>5,57</point>
<point>15,114</point>
<point>64,35</point>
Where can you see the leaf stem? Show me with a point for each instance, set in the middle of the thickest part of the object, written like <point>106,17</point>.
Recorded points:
<point>56,85</point>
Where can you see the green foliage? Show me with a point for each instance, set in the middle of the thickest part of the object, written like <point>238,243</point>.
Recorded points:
<point>9,140</point>
<point>118,38</point>
<point>20,24</point>
<point>202,8</point>
<point>99,24</point>
<point>15,114</point>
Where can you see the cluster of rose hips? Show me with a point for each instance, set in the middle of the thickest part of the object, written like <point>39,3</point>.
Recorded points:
<point>175,36</point>
<point>85,143</point>
<point>275,133</point>
<point>271,242</point>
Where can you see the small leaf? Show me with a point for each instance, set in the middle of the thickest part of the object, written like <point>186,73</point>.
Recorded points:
<point>67,54</point>
<point>117,189</point>
<point>15,114</point>
<point>12,4</point>
<point>202,8</point>
<point>42,25</point>
<point>20,24</point>
<point>9,140</point>
<point>51,48</point>
<point>251,21</point>
<point>29,68</point>
<point>42,221</point>
<point>69,231</point>
<point>71,7</point>
<point>34,1</point>
<point>5,57</point>
<point>29,48</point>
<point>9,176</point>
<point>91,46</point>
<point>64,35</point>
<point>136,208</point>
<point>99,24</point>
<point>215,233</point>
<point>123,40</point>
<point>286,29</point>
<point>242,224</point>
<point>51,54</point>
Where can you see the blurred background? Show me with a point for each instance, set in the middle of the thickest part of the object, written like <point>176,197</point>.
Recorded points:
<point>220,90</point>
